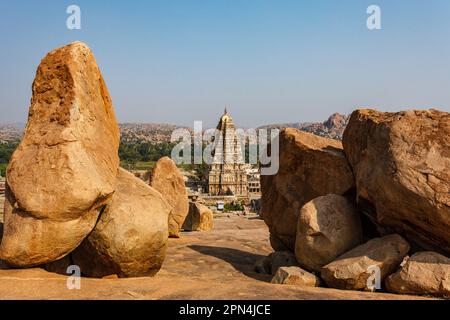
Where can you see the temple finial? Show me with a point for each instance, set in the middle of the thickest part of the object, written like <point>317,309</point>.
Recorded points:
<point>225,112</point>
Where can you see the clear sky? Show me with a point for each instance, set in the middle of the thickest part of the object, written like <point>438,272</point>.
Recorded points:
<point>177,61</point>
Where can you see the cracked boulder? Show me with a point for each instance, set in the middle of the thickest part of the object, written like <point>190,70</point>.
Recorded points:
<point>401,163</point>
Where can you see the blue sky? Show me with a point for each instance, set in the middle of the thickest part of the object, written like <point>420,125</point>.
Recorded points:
<point>177,61</point>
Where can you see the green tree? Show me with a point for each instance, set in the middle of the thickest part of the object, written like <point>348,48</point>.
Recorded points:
<point>234,206</point>
<point>3,169</point>
<point>132,153</point>
<point>6,151</point>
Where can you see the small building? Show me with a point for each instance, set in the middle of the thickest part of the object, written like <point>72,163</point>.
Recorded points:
<point>253,180</point>
<point>220,205</point>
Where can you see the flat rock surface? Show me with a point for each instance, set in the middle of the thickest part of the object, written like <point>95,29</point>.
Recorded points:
<point>200,265</point>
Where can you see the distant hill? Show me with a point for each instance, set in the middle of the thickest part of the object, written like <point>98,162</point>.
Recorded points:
<point>332,128</point>
<point>147,132</point>
<point>11,132</point>
<point>160,132</point>
<point>130,132</point>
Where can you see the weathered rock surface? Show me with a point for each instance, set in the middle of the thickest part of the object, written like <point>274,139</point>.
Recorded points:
<point>167,179</point>
<point>295,276</point>
<point>280,259</point>
<point>328,226</point>
<point>130,237</point>
<point>401,163</point>
<point>64,170</point>
<point>310,167</point>
<point>425,273</point>
<point>352,270</point>
<point>199,218</point>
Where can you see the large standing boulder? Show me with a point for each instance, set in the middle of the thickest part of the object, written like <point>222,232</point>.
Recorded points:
<point>425,273</point>
<point>200,218</point>
<point>309,167</point>
<point>64,171</point>
<point>401,163</point>
<point>167,179</point>
<point>328,226</point>
<point>352,270</point>
<point>130,237</point>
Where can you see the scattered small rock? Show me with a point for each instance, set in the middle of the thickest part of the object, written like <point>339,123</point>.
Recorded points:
<point>352,270</point>
<point>295,276</point>
<point>425,273</point>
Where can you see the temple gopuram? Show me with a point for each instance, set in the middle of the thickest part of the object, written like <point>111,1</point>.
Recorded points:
<point>228,174</point>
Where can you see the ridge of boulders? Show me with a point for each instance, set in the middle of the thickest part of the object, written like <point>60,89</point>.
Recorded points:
<point>354,213</point>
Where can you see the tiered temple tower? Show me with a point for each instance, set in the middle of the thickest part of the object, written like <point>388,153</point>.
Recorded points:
<point>227,175</point>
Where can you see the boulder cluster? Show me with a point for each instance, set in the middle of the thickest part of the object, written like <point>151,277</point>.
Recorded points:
<point>67,200</point>
<point>370,213</point>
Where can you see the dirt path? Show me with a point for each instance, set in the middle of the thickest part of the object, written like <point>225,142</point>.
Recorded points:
<point>207,265</point>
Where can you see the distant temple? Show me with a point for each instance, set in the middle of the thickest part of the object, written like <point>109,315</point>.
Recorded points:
<point>228,174</point>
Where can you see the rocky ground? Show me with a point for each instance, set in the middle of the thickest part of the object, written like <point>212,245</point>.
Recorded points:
<point>200,265</point>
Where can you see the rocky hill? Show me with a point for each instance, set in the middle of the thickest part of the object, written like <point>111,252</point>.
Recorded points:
<point>332,128</point>
<point>11,132</point>
<point>160,132</point>
<point>147,132</point>
<point>130,132</point>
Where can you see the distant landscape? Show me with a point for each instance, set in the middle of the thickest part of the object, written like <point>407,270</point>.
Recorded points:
<point>156,133</point>
<point>142,144</point>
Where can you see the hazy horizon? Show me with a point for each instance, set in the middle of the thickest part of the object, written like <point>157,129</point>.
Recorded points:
<point>23,124</point>
<point>268,61</point>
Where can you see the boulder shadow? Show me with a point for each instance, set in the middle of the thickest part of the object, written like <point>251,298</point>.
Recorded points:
<point>242,261</point>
